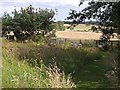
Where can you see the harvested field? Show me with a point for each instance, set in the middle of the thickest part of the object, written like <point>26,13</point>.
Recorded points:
<point>78,35</point>
<point>74,35</point>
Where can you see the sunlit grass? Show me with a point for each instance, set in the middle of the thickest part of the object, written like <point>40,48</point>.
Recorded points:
<point>28,65</point>
<point>18,73</point>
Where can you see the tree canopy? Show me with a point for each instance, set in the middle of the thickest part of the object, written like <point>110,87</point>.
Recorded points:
<point>106,15</point>
<point>28,20</point>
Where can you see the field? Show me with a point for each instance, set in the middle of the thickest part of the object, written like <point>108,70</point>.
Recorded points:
<point>38,50</point>
<point>24,65</point>
<point>78,35</point>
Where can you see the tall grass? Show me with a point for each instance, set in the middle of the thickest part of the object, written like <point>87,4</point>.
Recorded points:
<point>20,74</point>
<point>58,79</point>
<point>22,62</point>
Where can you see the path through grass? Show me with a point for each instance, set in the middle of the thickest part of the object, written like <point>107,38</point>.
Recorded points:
<point>84,64</point>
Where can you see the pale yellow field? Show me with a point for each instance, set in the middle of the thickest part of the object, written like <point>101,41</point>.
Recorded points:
<point>78,35</point>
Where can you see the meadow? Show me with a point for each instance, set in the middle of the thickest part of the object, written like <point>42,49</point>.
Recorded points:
<point>38,65</point>
<point>29,60</point>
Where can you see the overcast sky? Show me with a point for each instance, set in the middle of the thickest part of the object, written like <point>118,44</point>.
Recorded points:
<point>63,6</point>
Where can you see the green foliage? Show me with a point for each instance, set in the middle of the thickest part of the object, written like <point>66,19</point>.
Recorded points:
<point>106,15</point>
<point>6,23</point>
<point>59,25</point>
<point>87,43</point>
<point>116,17</point>
<point>21,74</point>
<point>66,45</point>
<point>84,64</point>
<point>36,38</point>
<point>26,22</point>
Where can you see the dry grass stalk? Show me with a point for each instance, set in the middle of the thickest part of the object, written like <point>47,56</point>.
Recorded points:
<point>58,79</point>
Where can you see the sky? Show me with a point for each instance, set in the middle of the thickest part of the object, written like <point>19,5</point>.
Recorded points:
<point>63,6</point>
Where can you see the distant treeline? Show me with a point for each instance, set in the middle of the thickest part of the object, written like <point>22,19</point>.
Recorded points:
<point>74,22</point>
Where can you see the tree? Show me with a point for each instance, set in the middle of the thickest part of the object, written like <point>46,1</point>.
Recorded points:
<point>101,12</point>
<point>107,16</point>
<point>6,23</point>
<point>26,22</point>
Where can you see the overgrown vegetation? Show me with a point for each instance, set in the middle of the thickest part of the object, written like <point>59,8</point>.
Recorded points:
<point>37,64</point>
<point>24,65</point>
<point>20,73</point>
<point>107,17</point>
<point>59,26</point>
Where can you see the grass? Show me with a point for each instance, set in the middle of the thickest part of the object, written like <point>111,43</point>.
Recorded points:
<point>18,73</point>
<point>22,66</point>
<point>92,75</point>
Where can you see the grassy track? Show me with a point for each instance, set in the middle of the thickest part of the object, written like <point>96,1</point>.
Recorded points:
<point>20,65</point>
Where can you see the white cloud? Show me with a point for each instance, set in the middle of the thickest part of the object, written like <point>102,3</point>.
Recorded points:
<point>61,5</point>
<point>61,2</point>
